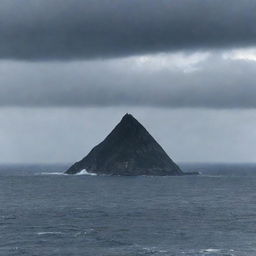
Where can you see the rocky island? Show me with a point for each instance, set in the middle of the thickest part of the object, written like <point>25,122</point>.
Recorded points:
<point>128,150</point>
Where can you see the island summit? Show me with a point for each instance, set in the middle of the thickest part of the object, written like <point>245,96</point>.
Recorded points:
<point>128,150</point>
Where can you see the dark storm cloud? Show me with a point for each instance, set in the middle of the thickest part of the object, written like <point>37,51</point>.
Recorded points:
<point>216,83</point>
<point>78,29</point>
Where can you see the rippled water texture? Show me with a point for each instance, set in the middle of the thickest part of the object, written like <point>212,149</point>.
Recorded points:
<point>212,214</point>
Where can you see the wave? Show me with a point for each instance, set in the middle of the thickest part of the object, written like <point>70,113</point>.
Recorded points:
<point>217,252</point>
<point>154,250</point>
<point>53,173</point>
<point>49,233</point>
<point>84,172</point>
<point>211,250</point>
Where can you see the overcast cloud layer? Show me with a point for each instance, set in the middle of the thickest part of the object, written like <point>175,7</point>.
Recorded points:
<point>78,29</point>
<point>174,80</point>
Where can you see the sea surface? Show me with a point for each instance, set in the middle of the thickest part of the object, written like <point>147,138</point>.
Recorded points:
<point>45,213</point>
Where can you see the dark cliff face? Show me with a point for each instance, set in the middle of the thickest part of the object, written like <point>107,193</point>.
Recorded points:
<point>128,150</point>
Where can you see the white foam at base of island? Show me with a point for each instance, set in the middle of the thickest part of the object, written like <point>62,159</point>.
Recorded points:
<point>84,172</point>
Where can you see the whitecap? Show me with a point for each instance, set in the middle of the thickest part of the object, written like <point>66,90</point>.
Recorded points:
<point>212,250</point>
<point>53,173</point>
<point>81,233</point>
<point>154,250</point>
<point>84,172</point>
<point>49,233</point>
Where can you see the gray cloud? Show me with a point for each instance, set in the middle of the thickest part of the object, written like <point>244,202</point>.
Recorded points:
<point>214,83</point>
<point>78,29</point>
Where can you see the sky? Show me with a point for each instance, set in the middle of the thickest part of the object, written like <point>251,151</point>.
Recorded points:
<point>69,71</point>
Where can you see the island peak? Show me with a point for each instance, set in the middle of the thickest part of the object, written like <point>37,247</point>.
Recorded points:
<point>128,150</point>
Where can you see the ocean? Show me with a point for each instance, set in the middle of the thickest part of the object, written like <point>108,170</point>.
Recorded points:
<point>45,213</point>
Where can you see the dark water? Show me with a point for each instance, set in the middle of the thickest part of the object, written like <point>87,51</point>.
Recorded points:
<point>45,214</point>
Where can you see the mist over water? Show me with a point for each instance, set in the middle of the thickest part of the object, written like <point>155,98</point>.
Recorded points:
<point>46,214</point>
